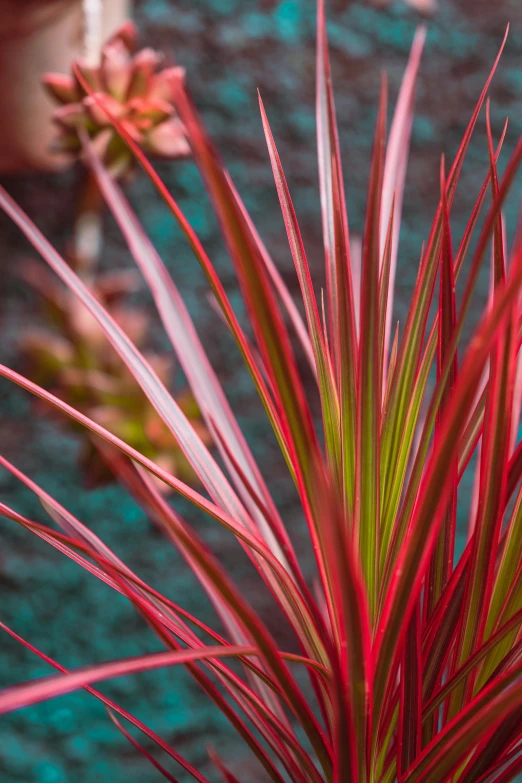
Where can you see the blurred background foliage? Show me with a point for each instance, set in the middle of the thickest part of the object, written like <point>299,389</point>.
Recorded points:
<point>229,48</point>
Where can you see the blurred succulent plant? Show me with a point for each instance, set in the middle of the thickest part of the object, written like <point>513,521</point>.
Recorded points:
<point>73,358</point>
<point>133,89</point>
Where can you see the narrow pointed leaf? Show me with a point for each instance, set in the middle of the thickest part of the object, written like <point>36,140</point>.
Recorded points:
<point>150,758</point>
<point>369,396</point>
<point>395,174</point>
<point>338,257</point>
<point>329,400</point>
<point>442,559</point>
<point>19,696</point>
<point>410,723</point>
<point>266,319</point>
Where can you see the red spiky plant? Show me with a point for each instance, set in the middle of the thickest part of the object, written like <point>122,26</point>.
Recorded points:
<point>414,659</point>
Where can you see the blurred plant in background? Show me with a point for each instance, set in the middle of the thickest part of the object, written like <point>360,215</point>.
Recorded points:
<point>71,357</point>
<point>133,88</point>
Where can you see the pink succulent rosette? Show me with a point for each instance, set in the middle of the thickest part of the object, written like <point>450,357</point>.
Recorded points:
<point>134,89</point>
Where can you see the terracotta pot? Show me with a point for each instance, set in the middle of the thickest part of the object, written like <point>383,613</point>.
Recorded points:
<point>37,36</point>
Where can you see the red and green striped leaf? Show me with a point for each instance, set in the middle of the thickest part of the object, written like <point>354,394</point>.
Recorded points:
<point>395,176</point>
<point>369,394</point>
<point>339,285</point>
<point>410,709</point>
<point>441,564</point>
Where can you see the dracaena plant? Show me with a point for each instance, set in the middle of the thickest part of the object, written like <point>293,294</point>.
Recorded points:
<point>413,654</point>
